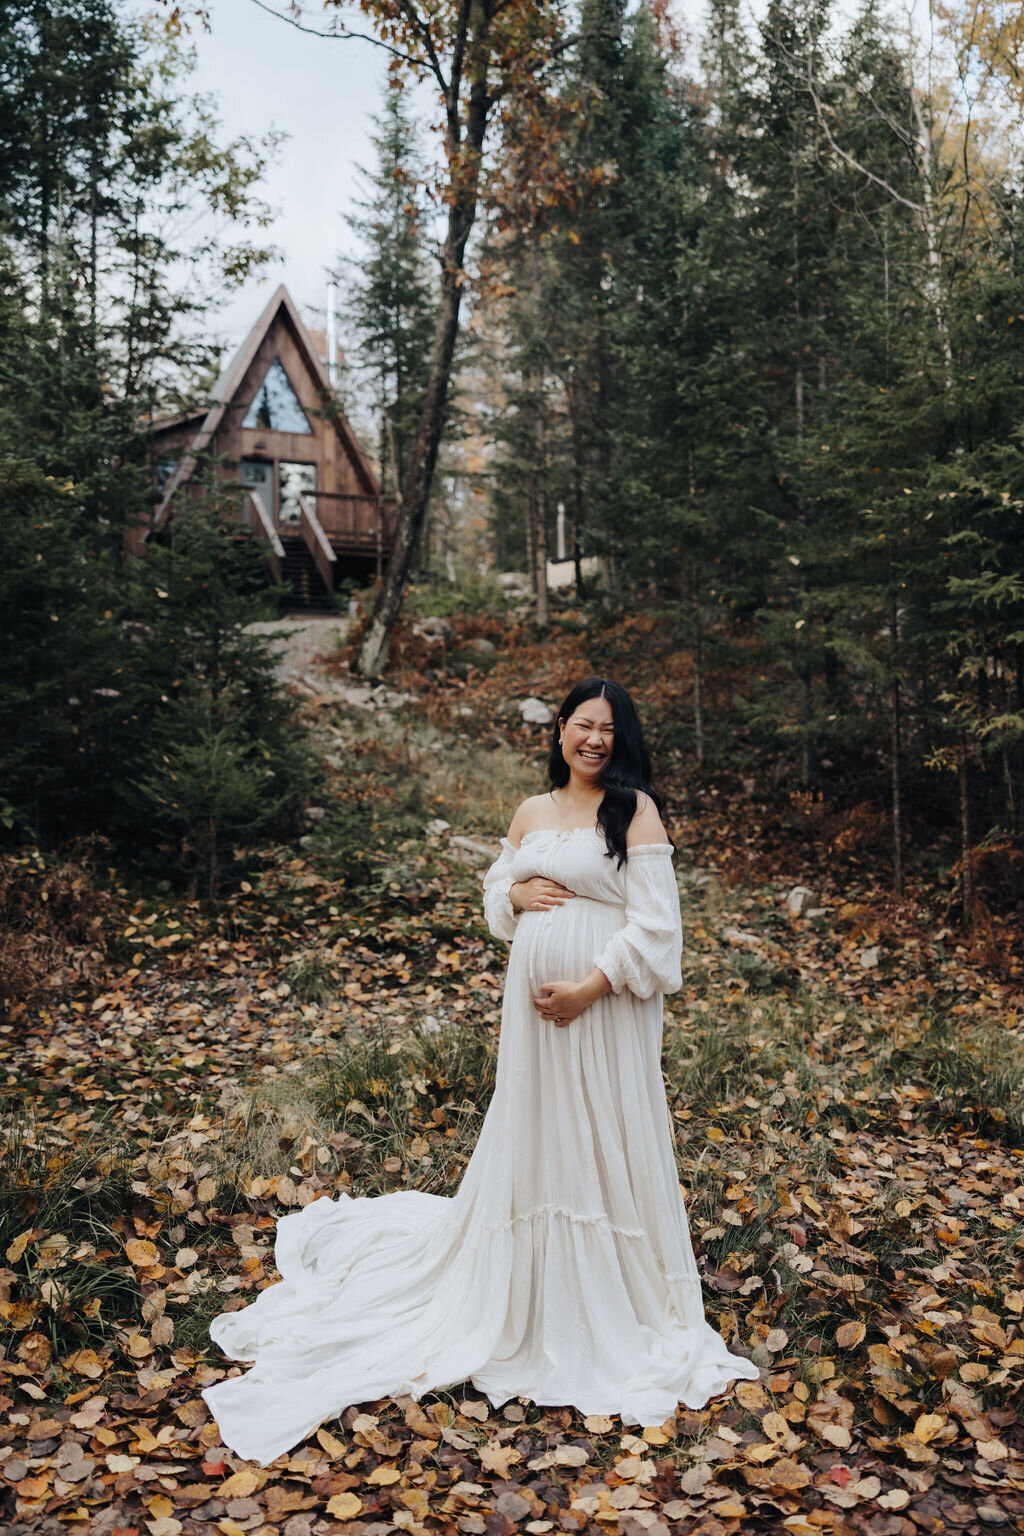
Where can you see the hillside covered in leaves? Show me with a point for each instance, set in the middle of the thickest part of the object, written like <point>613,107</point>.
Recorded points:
<point>846,1090</point>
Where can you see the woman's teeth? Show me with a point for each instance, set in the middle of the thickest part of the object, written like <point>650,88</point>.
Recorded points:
<point>595,757</point>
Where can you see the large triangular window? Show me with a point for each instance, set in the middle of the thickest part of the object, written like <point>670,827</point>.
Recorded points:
<point>275,406</point>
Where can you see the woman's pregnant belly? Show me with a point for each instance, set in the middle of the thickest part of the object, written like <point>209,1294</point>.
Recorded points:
<point>563,943</point>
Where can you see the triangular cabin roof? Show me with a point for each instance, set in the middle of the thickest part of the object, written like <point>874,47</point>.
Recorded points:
<point>226,394</point>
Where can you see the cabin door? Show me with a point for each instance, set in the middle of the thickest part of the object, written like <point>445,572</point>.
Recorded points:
<point>293,481</point>
<point>257,475</point>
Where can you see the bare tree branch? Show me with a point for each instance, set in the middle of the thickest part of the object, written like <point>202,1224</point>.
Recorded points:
<point>342,37</point>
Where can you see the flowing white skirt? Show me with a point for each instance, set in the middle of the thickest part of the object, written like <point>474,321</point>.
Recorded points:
<point>561,1271</point>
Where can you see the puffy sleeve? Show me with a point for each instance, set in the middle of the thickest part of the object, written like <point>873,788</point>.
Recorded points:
<point>502,919</point>
<point>645,955</point>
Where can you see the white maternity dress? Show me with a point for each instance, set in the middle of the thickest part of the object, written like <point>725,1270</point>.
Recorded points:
<point>562,1269</point>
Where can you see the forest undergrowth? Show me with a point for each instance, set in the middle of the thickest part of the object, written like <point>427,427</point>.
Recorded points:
<point>846,1093</point>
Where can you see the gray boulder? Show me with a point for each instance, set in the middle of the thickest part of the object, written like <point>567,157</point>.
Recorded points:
<point>536,712</point>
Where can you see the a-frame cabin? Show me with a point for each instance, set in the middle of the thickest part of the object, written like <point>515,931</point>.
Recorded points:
<point>278,433</point>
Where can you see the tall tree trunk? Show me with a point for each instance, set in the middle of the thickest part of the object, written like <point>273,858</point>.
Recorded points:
<point>933,285</point>
<point>540,544</point>
<point>895,720</point>
<point>577,491</point>
<point>798,383</point>
<point>1011,799</point>
<point>530,523</point>
<point>897,788</point>
<point>967,876</point>
<point>464,160</point>
<point>698,670</point>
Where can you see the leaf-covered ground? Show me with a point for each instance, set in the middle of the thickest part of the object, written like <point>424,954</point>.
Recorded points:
<point>847,1091</point>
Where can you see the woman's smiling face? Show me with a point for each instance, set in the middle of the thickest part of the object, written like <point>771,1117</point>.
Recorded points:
<point>588,737</point>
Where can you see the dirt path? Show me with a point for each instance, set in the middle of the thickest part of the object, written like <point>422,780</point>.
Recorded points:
<point>302,640</point>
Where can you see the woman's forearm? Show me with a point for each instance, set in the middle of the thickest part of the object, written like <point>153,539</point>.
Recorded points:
<point>594,986</point>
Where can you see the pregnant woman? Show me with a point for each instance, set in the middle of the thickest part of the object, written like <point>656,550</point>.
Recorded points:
<point>562,1269</point>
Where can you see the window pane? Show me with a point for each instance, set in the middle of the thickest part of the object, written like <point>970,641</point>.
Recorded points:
<point>275,406</point>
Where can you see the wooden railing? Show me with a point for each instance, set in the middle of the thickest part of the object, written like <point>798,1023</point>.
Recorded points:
<point>263,525</point>
<point>359,524</point>
<point>317,542</point>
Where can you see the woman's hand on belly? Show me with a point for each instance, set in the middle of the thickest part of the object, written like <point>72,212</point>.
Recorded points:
<point>538,894</point>
<point>562,1001</point>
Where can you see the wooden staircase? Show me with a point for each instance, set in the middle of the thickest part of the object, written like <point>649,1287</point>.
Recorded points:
<point>307,590</point>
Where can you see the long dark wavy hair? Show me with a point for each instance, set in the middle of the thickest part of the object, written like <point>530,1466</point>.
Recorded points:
<point>627,770</point>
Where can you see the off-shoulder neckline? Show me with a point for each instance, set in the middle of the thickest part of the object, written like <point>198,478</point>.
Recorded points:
<point>631,848</point>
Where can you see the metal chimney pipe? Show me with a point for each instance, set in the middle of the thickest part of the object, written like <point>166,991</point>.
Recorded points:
<point>332,333</point>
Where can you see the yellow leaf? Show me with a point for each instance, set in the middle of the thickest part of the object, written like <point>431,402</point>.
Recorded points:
<point>382,1476</point>
<point>86,1362</point>
<point>206,1189</point>
<point>598,1424</point>
<point>498,1458</point>
<point>849,1334</point>
<point>331,1445</point>
<point>141,1252</point>
<point>655,1435</point>
<point>17,1246</point>
<point>160,1504</point>
<point>241,1484</point>
<point>929,1425</point>
<point>344,1506</point>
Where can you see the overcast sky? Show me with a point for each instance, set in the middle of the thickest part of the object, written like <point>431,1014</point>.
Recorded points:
<point>323,95</point>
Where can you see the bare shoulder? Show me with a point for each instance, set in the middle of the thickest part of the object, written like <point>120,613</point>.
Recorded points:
<point>528,816</point>
<point>646,826</point>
